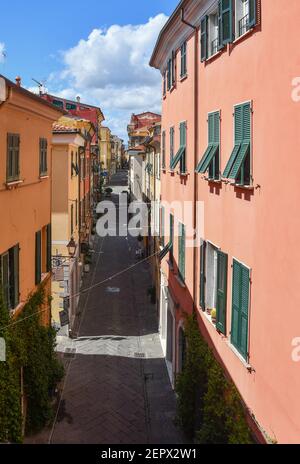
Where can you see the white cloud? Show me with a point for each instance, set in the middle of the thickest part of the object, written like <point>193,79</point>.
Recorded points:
<point>2,52</point>
<point>111,69</point>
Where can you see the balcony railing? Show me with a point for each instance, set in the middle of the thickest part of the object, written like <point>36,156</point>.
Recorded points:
<point>243,25</point>
<point>214,47</point>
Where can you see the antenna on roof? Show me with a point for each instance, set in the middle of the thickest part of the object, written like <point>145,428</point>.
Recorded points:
<point>40,85</point>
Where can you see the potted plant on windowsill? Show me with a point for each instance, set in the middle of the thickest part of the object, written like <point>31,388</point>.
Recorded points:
<point>208,311</point>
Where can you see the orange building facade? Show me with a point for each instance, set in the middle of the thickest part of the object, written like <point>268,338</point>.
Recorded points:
<point>230,117</point>
<point>25,194</point>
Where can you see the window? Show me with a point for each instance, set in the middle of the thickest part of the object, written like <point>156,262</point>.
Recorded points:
<point>171,236</point>
<point>162,226</point>
<point>9,277</point>
<point>213,282</point>
<point>211,159</point>
<point>240,308</point>
<point>169,75</point>
<point>181,154</point>
<point>183,67</point>
<point>58,103</point>
<point>13,157</point>
<point>74,166</point>
<point>238,167</point>
<point>163,160</point>
<point>72,219</point>
<point>76,212</point>
<point>216,29</point>
<point>71,106</point>
<point>49,247</point>
<point>245,16</point>
<point>43,156</point>
<point>38,257</point>
<point>164,83</point>
<point>173,69</point>
<point>181,251</point>
<point>171,144</point>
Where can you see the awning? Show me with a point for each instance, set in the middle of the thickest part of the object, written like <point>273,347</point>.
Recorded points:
<point>177,158</point>
<point>165,250</point>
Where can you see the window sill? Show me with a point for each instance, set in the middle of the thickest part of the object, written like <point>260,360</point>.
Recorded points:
<point>212,181</point>
<point>241,37</point>
<point>243,187</point>
<point>171,171</point>
<point>13,183</point>
<point>212,57</point>
<point>172,88</point>
<point>183,174</point>
<point>209,318</point>
<point>183,78</point>
<point>240,357</point>
<point>44,176</point>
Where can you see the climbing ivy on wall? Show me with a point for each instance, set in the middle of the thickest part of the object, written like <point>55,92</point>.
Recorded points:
<point>30,347</point>
<point>209,407</point>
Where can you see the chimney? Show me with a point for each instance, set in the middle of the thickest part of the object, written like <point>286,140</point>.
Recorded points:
<point>78,99</point>
<point>18,81</point>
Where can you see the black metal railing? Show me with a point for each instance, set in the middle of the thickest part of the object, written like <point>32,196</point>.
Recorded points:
<point>243,25</point>
<point>214,46</point>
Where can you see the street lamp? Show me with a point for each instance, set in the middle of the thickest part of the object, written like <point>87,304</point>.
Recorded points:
<point>71,247</point>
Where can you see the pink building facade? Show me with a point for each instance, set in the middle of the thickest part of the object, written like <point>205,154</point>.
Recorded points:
<point>234,87</point>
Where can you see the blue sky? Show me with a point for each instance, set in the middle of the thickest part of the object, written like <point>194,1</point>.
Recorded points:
<point>52,40</point>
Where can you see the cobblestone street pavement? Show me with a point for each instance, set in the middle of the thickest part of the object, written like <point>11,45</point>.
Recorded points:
<point>117,388</point>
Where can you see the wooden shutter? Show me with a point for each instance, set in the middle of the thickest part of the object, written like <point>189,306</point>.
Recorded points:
<point>225,22</point>
<point>202,274</point>
<point>10,157</point>
<point>181,251</point>
<point>244,305</point>
<point>162,226</point>
<point>4,262</point>
<point>15,276</point>
<point>221,291</point>
<point>216,127</point>
<point>38,257</point>
<point>173,68</point>
<point>49,248</point>
<point>240,307</point>
<point>204,42</point>
<point>210,128</point>
<point>246,122</point>
<point>252,12</point>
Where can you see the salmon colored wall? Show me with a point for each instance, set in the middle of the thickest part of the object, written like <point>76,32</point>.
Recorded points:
<point>178,106</point>
<point>25,209</point>
<point>261,229</point>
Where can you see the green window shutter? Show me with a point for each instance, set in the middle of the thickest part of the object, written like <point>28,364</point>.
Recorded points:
<point>239,160</point>
<point>17,155</point>
<point>225,22</point>
<point>238,124</point>
<point>171,144</point>
<point>16,280</point>
<point>171,228</point>
<point>246,117</point>
<point>252,13</point>
<point>162,226</point>
<point>4,261</point>
<point>173,68</point>
<point>216,127</point>
<point>10,157</point>
<point>210,128</point>
<point>240,307</point>
<point>202,274</point>
<point>245,287</point>
<point>38,257</point>
<point>204,41</point>
<point>181,251</point>
<point>169,74</point>
<point>163,160</point>
<point>221,291</point>
<point>49,247</point>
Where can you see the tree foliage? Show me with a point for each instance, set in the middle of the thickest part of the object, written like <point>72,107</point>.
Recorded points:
<point>30,349</point>
<point>209,408</point>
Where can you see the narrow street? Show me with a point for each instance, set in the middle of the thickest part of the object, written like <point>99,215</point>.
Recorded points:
<point>117,388</point>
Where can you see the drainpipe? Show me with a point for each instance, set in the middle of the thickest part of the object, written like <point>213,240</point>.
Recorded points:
<point>196,77</point>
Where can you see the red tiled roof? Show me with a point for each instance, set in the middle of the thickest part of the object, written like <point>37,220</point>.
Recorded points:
<point>60,128</point>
